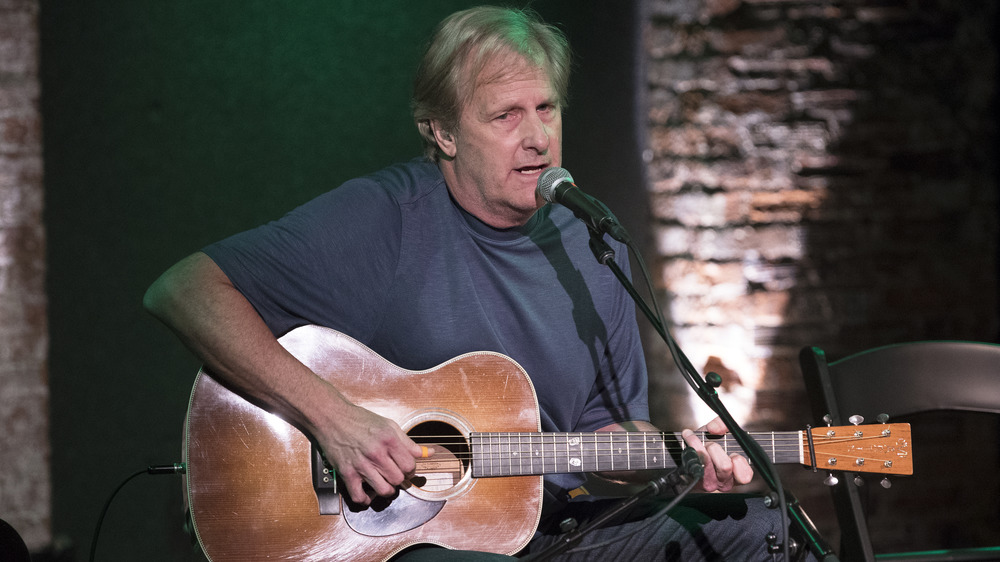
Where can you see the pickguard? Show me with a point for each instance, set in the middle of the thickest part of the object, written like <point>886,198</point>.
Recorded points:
<point>388,516</point>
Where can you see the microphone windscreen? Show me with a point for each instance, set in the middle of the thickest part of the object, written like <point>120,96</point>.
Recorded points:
<point>548,181</point>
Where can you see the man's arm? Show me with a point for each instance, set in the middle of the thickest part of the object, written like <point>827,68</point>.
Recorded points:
<point>213,319</point>
<point>722,471</point>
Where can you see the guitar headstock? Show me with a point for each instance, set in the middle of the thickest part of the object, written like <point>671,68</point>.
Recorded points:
<point>878,448</point>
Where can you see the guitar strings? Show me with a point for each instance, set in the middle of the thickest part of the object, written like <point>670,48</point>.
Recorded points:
<point>785,443</point>
<point>493,443</point>
<point>634,437</point>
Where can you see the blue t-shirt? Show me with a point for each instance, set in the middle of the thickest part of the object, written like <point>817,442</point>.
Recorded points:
<point>391,260</point>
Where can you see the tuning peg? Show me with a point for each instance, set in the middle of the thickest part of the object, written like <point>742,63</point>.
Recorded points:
<point>858,480</point>
<point>828,420</point>
<point>886,483</point>
<point>882,418</point>
<point>856,419</point>
<point>831,479</point>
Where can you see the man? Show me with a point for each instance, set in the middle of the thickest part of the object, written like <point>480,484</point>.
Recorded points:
<point>440,256</point>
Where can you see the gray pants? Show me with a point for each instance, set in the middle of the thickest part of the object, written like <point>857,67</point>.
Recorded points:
<point>709,527</point>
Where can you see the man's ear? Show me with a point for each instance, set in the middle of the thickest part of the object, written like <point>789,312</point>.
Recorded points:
<point>445,139</point>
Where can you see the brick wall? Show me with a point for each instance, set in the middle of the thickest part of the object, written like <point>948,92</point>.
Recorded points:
<point>820,173</point>
<point>24,441</point>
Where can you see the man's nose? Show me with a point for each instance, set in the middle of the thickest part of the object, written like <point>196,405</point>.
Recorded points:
<point>536,133</point>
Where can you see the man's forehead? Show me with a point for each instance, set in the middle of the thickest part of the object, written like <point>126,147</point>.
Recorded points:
<point>508,67</point>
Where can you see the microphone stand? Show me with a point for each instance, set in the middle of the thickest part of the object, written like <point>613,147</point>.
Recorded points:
<point>706,390</point>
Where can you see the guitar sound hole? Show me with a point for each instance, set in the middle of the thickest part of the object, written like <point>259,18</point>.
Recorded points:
<point>443,469</point>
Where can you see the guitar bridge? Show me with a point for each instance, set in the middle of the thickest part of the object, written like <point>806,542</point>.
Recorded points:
<point>325,484</point>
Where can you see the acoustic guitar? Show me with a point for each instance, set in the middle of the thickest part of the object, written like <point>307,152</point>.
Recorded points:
<point>258,488</point>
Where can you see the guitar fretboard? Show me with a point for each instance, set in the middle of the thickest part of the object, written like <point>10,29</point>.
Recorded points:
<point>523,454</point>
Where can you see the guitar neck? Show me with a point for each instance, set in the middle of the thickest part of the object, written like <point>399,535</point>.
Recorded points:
<point>524,454</point>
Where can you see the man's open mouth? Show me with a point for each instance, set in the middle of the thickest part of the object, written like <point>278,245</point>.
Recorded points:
<point>532,169</point>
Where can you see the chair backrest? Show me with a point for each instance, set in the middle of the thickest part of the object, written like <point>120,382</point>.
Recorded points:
<point>910,378</point>
<point>898,380</point>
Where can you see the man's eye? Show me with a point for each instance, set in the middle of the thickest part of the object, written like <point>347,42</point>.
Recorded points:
<point>503,117</point>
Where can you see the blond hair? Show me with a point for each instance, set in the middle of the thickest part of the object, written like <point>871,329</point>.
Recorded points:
<point>464,44</point>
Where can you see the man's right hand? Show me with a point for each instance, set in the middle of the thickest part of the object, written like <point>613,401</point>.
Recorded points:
<point>373,456</point>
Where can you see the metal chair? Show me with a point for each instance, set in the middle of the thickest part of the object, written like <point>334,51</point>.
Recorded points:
<point>899,380</point>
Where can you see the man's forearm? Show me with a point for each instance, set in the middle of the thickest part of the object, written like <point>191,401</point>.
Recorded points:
<point>196,300</point>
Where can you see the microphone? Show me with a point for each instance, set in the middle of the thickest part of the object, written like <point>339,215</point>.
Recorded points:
<point>555,185</point>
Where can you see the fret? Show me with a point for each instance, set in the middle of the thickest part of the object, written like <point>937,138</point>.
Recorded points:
<point>514,453</point>
<point>608,462</point>
<point>498,439</point>
<point>477,453</point>
<point>576,460</point>
<point>660,457</point>
<point>594,463</point>
<point>522,448</point>
<point>523,452</point>
<point>562,452</point>
<point>568,463</point>
<point>503,453</point>
<point>491,454</point>
<point>539,467</point>
<point>482,466</point>
<point>601,448</point>
<point>560,459</point>
<point>607,451</point>
<point>628,449</point>
<point>536,452</point>
<point>643,453</point>
<point>545,457</point>
<point>498,455</point>
<point>558,453</point>
<point>505,440</point>
<point>588,451</point>
<point>619,456</point>
<point>494,468</point>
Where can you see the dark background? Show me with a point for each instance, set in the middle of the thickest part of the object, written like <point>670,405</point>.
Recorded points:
<point>169,125</point>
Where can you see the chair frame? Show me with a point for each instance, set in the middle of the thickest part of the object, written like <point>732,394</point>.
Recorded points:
<point>910,368</point>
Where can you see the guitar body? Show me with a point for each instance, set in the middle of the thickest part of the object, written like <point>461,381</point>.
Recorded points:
<point>250,474</point>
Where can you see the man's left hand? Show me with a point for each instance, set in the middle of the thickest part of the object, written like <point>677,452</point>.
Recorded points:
<point>722,471</point>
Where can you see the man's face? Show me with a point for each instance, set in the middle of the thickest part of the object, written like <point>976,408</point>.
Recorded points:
<point>508,132</point>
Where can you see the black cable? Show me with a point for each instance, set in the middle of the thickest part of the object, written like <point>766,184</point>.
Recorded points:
<point>176,468</point>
